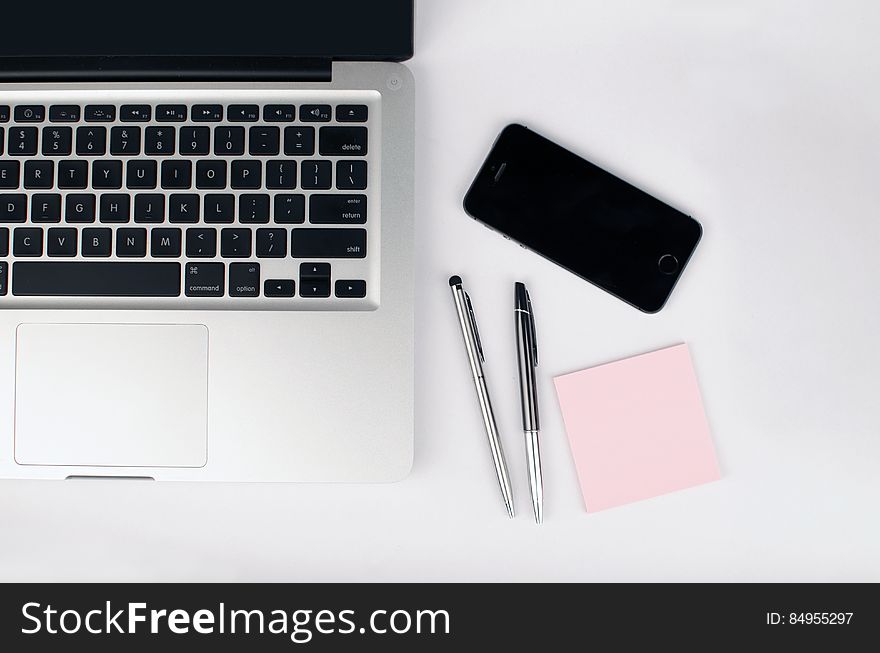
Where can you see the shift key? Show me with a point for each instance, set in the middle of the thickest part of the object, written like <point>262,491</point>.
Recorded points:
<point>329,243</point>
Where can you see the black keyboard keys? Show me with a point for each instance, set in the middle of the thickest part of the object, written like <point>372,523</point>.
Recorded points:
<point>299,141</point>
<point>13,207</point>
<point>314,113</point>
<point>243,113</point>
<point>96,278</point>
<point>115,207</point>
<point>204,280</point>
<point>165,243</point>
<point>343,141</point>
<point>30,113</point>
<point>329,243</point>
<point>125,141</point>
<point>141,174</point>
<point>229,141</point>
<point>271,243</point>
<point>91,141</point>
<point>351,175</point>
<point>10,171</point>
<point>290,209</point>
<point>244,279</point>
<point>201,243</point>
<point>57,141</point>
<point>46,207</point>
<point>248,174</point>
<point>64,113</point>
<point>183,208</point>
<point>235,243</point>
<point>171,113</point>
<point>351,288</point>
<point>107,174</point>
<point>22,141</point>
<point>211,174</point>
<point>100,113</point>
<point>39,174</point>
<point>96,241</point>
<point>135,113</point>
<point>314,280</point>
<point>316,175</point>
<point>351,113</point>
<point>149,208</point>
<point>27,241</point>
<point>73,174</point>
<point>253,208</point>
<point>79,207</point>
<point>219,208</point>
<point>131,242</point>
<point>281,174</point>
<point>279,288</point>
<point>61,241</point>
<point>195,141</point>
<point>177,174</point>
<point>207,113</point>
<point>338,209</point>
<point>159,141</point>
<point>264,141</point>
<point>279,113</point>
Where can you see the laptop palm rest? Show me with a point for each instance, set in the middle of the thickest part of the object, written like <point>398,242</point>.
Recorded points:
<point>119,395</point>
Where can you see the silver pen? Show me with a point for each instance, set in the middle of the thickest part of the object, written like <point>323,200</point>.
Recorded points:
<point>527,358</point>
<point>474,348</point>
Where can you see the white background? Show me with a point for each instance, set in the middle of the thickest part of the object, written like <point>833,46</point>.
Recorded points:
<point>760,119</point>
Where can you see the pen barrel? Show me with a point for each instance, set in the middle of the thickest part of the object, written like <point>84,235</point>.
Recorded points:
<point>526,364</point>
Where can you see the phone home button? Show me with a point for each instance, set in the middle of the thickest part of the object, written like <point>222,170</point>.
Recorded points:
<point>668,264</point>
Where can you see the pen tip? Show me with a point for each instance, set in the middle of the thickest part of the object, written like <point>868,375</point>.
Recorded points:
<point>455,280</point>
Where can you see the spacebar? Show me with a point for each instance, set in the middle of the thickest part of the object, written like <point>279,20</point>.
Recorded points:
<point>99,279</point>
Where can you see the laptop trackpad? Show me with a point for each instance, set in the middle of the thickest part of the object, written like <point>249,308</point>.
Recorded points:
<point>127,395</point>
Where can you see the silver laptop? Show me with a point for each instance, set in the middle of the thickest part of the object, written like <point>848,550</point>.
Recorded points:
<point>206,239</point>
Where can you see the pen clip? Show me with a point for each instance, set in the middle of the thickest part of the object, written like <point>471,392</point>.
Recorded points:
<point>534,336</point>
<point>476,330</point>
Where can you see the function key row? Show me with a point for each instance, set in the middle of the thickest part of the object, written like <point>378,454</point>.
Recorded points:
<point>188,141</point>
<point>183,208</point>
<point>172,242</point>
<point>180,112</point>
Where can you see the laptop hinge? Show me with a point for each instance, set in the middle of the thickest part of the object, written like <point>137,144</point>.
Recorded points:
<point>164,69</point>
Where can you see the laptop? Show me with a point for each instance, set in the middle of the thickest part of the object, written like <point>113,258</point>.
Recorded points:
<point>206,242</point>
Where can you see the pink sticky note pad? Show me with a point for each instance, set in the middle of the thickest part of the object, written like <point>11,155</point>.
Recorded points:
<point>637,428</point>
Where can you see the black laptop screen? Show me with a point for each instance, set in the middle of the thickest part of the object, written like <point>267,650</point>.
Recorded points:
<point>338,29</point>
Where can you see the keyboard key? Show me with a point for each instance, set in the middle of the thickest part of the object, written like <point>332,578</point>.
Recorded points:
<point>61,241</point>
<point>351,288</point>
<point>271,243</point>
<point>219,209</point>
<point>46,207</point>
<point>329,243</point>
<point>96,241</point>
<point>279,288</point>
<point>211,174</point>
<point>115,208</point>
<point>204,280</point>
<point>177,174</point>
<point>314,287</point>
<point>229,141</point>
<point>201,243</point>
<point>165,243</point>
<point>13,207</point>
<point>91,141</point>
<point>264,141</point>
<point>253,208</point>
<point>351,175</point>
<point>73,174</point>
<point>4,113</point>
<point>299,141</point>
<point>39,174</point>
<point>96,279</point>
<point>314,271</point>
<point>343,141</point>
<point>125,141</point>
<point>316,174</point>
<point>351,113</point>
<point>79,207</point>
<point>4,244</point>
<point>57,141</point>
<point>243,113</point>
<point>290,209</point>
<point>338,209</point>
<point>248,174</point>
<point>314,113</point>
<point>10,172</point>
<point>64,113</point>
<point>22,141</point>
<point>4,277</point>
<point>195,140</point>
<point>159,141</point>
<point>244,279</point>
<point>131,242</point>
<point>207,112</point>
<point>107,174</point>
<point>2,139</point>
<point>235,243</point>
<point>149,207</point>
<point>30,113</point>
<point>100,113</point>
<point>183,208</point>
<point>280,175</point>
<point>171,113</point>
<point>27,241</point>
<point>141,174</point>
<point>135,113</point>
<point>279,113</point>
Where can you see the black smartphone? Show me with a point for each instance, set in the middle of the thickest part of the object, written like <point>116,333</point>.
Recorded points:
<point>583,218</point>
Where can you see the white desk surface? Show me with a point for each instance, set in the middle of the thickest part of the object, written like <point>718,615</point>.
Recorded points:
<point>761,119</point>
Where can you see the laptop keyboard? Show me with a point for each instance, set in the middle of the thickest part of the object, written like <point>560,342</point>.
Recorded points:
<point>237,200</point>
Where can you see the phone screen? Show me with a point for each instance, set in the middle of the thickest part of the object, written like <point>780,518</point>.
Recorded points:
<point>583,218</point>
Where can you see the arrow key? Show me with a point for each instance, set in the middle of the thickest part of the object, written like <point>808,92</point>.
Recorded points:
<point>279,288</point>
<point>351,288</point>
